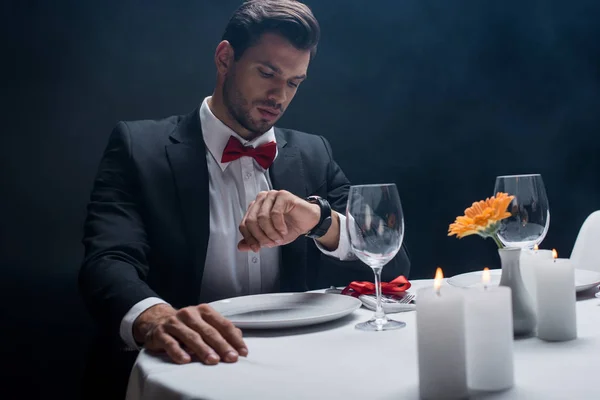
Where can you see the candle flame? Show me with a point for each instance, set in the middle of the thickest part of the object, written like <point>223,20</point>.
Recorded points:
<point>485,276</point>
<point>536,247</point>
<point>437,282</point>
<point>554,254</point>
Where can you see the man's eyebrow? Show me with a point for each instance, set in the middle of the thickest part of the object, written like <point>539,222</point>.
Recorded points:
<point>269,65</point>
<point>277,70</point>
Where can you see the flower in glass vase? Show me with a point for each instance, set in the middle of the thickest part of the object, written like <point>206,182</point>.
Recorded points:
<point>483,218</point>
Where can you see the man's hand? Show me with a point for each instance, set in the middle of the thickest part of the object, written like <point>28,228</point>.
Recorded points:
<point>196,330</point>
<point>278,217</point>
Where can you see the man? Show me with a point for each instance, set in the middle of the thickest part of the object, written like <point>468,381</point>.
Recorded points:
<point>215,204</point>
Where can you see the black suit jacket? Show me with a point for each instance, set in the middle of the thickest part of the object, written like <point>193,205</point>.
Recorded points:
<point>147,227</point>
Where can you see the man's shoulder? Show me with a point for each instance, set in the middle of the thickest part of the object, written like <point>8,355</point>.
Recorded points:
<point>164,125</point>
<point>156,133</point>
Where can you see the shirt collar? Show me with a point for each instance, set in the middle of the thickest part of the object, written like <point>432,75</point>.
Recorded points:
<point>216,134</point>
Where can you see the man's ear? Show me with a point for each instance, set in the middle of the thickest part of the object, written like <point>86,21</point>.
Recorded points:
<point>224,57</point>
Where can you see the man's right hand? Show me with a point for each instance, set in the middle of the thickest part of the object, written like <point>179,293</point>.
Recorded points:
<point>197,330</point>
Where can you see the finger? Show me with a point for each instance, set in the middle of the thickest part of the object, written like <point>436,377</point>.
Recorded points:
<point>250,242</point>
<point>254,231</point>
<point>211,336</point>
<point>193,341</point>
<point>265,221</point>
<point>214,339</point>
<point>162,341</point>
<point>278,215</point>
<point>227,329</point>
<point>248,238</point>
<point>243,245</point>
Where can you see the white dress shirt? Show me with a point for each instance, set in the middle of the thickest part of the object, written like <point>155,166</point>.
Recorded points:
<point>232,187</point>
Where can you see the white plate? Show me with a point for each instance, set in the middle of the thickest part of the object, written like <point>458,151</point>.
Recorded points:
<point>584,279</point>
<point>285,310</point>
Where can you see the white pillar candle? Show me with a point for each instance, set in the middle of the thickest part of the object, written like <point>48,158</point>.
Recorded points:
<point>441,342</point>
<point>529,260</point>
<point>556,297</point>
<point>489,337</point>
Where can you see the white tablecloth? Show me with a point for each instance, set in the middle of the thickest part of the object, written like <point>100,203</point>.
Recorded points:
<point>336,361</point>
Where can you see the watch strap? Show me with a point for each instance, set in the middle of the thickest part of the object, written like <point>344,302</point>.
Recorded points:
<point>324,221</point>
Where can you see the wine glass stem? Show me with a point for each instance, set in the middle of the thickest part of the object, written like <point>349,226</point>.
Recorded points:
<point>379,314</point>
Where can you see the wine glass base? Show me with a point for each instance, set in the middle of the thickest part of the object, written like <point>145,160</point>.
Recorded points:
<point>380,325</point>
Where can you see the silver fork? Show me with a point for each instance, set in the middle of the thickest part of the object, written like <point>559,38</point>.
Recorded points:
<point>404,300</point>
<point>407,298</point>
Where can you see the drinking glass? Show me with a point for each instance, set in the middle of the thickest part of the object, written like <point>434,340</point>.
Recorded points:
<point>375,225</point>
<point>530,213</point>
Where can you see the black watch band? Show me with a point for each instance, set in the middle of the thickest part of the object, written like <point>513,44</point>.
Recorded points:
<point>324,222</point>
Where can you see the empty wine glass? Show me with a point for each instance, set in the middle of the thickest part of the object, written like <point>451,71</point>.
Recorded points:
<point>375,226</point>
<point>530,213</point>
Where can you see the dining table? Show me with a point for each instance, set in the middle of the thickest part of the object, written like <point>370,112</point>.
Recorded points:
<point>334,360</point>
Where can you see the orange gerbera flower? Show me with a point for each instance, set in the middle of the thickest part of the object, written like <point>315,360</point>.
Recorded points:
<point>483,217</point>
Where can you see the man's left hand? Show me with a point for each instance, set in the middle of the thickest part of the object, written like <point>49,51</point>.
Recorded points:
<point>277,217</point>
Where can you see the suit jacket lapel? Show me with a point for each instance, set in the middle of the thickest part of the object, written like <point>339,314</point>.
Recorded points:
<point>287,173</point>
<point>187,157</point>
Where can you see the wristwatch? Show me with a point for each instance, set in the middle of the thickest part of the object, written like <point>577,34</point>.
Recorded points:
<point>324,222</point>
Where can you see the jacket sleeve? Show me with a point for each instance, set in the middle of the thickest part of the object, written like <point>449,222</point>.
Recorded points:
<point>338,187</point>
<point>112,275</point>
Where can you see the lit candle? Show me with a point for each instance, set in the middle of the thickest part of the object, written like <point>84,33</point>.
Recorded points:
<point>529,260</point>
<point>441,341</point>
<point>556,297</point>
<point>489,336</point>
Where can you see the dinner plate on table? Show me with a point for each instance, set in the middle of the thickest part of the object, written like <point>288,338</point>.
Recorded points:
<point>584,279</point>
<point>285,310</point>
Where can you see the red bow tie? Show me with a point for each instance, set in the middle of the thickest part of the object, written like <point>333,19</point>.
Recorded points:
<point>264,154</point>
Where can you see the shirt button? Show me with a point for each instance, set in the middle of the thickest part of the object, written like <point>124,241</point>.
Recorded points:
<point>254,260</point>
<point>248,175</point>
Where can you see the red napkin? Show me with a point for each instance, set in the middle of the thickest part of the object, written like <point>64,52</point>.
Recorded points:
<point>396,287</point>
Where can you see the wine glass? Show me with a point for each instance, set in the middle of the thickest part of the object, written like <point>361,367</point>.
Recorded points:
<point>530,213</point>
<point>375,226</point>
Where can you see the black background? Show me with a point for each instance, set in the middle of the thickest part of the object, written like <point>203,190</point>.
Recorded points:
<point>438,97</point>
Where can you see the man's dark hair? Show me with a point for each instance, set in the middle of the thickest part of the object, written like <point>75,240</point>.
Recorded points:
<point>289,18</point>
